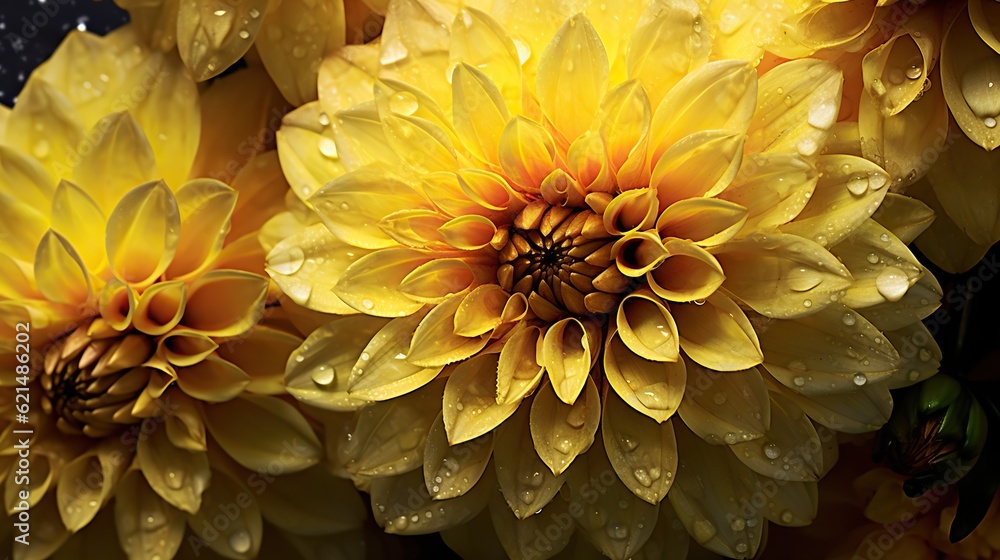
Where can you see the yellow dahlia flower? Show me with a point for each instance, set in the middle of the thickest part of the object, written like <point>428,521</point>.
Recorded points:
<point>291,36</point>
<point>579,257</point>
<point>131,299</point>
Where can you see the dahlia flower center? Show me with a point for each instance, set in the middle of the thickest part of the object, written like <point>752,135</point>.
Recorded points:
<point>558,258</point>
<point>91,380</point>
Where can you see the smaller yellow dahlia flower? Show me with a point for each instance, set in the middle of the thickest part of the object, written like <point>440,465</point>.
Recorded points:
<point>132,307</point>
<point>291,36</point>
<point>587,270</point>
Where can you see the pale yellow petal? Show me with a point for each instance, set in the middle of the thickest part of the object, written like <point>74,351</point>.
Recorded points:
<point>135,503</point>
<point>213,35</point>
<point>371,283</point>
<point>667,44</point>
<point>642,452</point>
<point>525,480</point>
<point>725,407</point>
<point>179,476</point>
<point>452,470</point>
<point>968,66</point>
<point>435,342</point>
<point>563,431</point>
<point>789,450</point>
<point>120,160</point>
<point>797,105</point>
<point>382,371</point>
<point>80,221</point>
<point>653,388</point>
<point>700,164</point>
<point>717,334</point>
<point>59,272</point>
<point>470,405</point>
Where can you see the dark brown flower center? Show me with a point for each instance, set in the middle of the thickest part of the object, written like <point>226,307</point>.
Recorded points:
<point>560,258</point>
<point>91,382</point>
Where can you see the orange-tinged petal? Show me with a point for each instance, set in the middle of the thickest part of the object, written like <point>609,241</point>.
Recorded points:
<point>468,232</point>
<point>452,470</point>
<point>205,208</point>
<point>791,276</point>
<point>667,44</point>
<point>297,35</point>
<point>59,273</point>
<point>652,388</point>
<point>274,423</point>
<point>717,334</point>
<point>183,348</point>
<point>120,160</point>
<point>470,406</point>
<point>632,210</point>
<point>77,218</point>
<point>160,307</point>
<point>382,371</point>
<point>117,304</point>
<point>572,76</point>
<point>642,452</point>
<point>225,302</point>
<point>562,431</point>
<point>213,35</point>
<point>142,234</point>
<point>527,153</point>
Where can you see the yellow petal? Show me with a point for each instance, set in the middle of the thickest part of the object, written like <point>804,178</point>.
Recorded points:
<point>623,119</point>
<point>527,153</point>
<point>297,35</point>
<point>211,380</point>
<point>968,67</point>
<point>717,334</point>
<point>179,476</point>
<point>370,284</point>
<point>468,232</point>
<point>59,272</point>
<point>205,207</point>
<point>102,469</point>
<point>360,138</point>
<point>414,45</point>
<point>480,311</point>
<point>312,502</point>
<point>706,496</point>
<point>832,351</point>
<point>721,95</point>
<point>667,44</point>
<point>792,276</point>
<point>944,242</point>
<point>864,409</point>
<point>80,221</point>
<point>452,470</point>
<point>21,228</point>
<point>397,513</point>
<point>603,531</point>
<point>414,228</point>
<point>725,407</point>
<point>518,371</point>
<point>225,302</point>
<point>351,205</point>
<point>905,217</point>
<point>142,234</point>
<point>241,537</point>
<point>516,535</point>
<point>563,431</point>
<point>888,278</point>
<point>135,503</point>
<point>470,406</point>
<point>638,253</point>
<point>308,151</point>
<point>481,42</point>
<point>919,351</point>
<point>701,164</point>
<point>435,342</point>
<point>919,302</point>
<point>790,450</point>
<point>261,354</point>
<point>309,264</point>
<point>572,76</point>
<point>211,36</point>
<point>347,77</point>
<point>276,426</point>
<point>652,388</point>
<point>386,437</point>
<point>632,210</point>
<point>120,160</point>
<point>647,328</point>
<point>827,25</point>
<point>382,372</point>
<point>160,307</point>
<point>688,273</point>
<point>117,304</point>
<point>480,112</point>
<point>642,452</point>
<point>185,425</point>
<point>894,71</point>
<point>848,193</point>
<point>797,106</point>
<point>962,185</point>
<point>59,131</point>
<point>773,188</point>
<point>156,23</point>
<point>588,163</point>
<point>705,221</point>
<point>15,281</point>
<point>22,177</point>
<point>567,355</point>
<point>525,481</point>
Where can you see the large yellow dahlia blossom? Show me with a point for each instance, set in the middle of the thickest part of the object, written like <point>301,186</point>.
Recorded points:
<point>578,257</point>
<point>131,299</point>
<point>291,37</point>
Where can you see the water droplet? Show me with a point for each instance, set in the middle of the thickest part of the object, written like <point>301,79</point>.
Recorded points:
<point>989,122</point>
<point>328,148</point>
<point>787,517</point>
<point>719,398</point>
<point>807,303</point>
<point>924,355</point>
<point>323,376</point>
<point>872,258</point>
<point>849,319</point>
<point>240,541</point>
<point>254,13</point>
<point>799,381</point>
<point>860,379</point>
<point>737,524</point>
<point>175,480</point>
<point>400,523</point>
<point>244,34</point>
<point>741,547</point>
<point>298,51</point>
<point>729,438</point>
<point>643,477</point>
<point>857,185</point>
<point>527,496</point>
<point>403,103</point>
<point>803,279</point>
<point>914,72</point>
<point>772,451</point>
<point>368,304</point>
<point>41,149</point>
<point>892,283</point>
<point>617,531</point>
<point>287,262</point>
